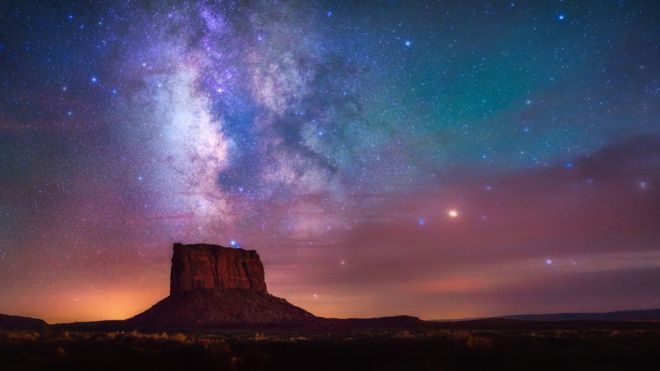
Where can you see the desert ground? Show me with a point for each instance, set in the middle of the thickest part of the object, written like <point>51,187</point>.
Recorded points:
<point>452,347</point>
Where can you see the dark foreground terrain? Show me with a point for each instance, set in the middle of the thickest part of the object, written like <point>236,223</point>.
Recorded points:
<point>454,347</point>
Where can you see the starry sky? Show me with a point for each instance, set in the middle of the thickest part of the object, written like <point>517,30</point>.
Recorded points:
<point>444,159</point>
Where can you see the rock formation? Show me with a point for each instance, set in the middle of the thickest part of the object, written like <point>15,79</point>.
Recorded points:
<point>218,287</point>
<point>23,323</point>
<point>215,268</point>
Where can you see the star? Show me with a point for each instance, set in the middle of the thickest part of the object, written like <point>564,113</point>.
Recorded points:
<point>268,121</point>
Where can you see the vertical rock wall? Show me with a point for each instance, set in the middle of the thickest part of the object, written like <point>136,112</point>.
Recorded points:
<point>214,267</point>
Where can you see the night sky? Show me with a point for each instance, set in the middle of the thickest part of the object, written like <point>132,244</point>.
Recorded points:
<point>438,159</point>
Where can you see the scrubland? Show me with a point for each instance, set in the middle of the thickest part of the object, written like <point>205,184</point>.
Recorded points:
<point>437,349</point>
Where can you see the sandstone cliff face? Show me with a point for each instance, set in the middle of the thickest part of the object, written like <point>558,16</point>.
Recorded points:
<point>214,267</point>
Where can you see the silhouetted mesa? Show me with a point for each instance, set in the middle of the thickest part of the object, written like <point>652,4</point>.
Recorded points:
<point>213,286</point>
<point>24,323</point>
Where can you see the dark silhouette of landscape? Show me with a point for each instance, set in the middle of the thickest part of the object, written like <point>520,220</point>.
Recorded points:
<point>219,315</point>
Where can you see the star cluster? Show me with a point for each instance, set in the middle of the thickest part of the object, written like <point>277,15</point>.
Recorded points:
<point>442,159</point>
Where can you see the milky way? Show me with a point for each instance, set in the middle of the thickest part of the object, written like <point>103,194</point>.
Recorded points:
<point>436,159</point>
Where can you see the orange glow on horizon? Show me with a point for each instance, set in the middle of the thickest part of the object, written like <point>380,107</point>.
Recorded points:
<point>82,306</point>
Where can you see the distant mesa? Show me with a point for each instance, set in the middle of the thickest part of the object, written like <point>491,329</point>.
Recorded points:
<point>212,286</point>
<point>20,323</point>
<point>639,315</point>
